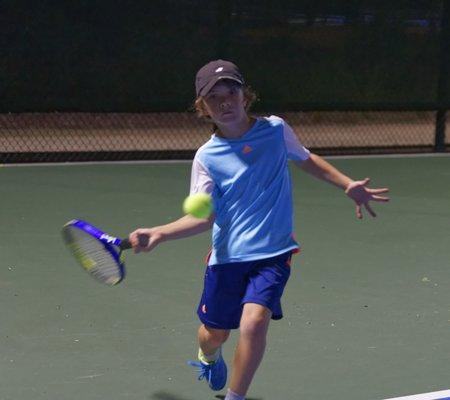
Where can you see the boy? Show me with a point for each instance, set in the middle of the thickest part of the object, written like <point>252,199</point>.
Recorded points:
<point>244,166</point>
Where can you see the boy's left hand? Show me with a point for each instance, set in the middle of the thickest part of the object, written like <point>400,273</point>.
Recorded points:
<point>361,195</point>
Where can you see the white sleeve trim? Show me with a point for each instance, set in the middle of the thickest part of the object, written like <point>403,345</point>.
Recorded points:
<point>295,150</point>
<point>201,182</point>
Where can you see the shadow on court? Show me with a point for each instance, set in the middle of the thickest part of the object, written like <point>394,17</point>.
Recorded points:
<point>168,396</point>
<point>222,397</point>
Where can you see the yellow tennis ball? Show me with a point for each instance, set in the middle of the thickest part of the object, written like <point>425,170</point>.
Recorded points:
<point>198,205</point>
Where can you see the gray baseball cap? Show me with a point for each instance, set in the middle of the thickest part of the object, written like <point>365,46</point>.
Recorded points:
<point>214,71</point>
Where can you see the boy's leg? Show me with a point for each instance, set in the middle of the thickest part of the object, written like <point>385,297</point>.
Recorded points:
<point>210,340</point>
<point>251,346</point>
<point>211,365</point>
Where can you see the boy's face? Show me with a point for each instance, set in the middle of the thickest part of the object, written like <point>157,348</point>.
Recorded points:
<point>225,102</point>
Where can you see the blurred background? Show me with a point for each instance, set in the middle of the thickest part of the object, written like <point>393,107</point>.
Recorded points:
<point>101,80</point>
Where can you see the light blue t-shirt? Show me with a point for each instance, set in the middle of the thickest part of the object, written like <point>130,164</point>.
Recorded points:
<point>250,183</point>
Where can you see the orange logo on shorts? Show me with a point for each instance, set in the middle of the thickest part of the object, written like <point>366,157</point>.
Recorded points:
<point>204,308</point>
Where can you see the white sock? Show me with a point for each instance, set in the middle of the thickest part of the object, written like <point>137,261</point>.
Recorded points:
<point>233,396</point>
<point>210,358</point>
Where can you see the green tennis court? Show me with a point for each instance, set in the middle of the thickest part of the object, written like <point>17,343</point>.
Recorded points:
<point>367,309</point>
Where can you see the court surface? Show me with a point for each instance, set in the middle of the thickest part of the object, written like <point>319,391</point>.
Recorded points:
<point>367,308</point>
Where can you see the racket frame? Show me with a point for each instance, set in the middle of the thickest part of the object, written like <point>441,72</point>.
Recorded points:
<point>111,243</point>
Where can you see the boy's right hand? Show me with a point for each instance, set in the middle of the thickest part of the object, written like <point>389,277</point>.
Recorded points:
<point>144,239</point>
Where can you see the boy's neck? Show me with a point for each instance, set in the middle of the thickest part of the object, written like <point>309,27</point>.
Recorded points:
<point>235,130</point>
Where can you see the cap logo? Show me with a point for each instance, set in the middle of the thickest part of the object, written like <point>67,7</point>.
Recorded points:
<point>220,69</point>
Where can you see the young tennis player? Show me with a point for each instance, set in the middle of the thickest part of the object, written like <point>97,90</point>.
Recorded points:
<point>244,166</point>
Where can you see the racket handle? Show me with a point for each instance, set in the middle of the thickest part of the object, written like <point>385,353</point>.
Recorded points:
<point>143,241</point>
<point>125,244</point>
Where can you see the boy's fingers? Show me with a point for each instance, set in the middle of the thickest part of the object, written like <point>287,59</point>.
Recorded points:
<point>143,239</point>
<point>378,191</point>
<point>138,239</point>
<point>358,211</point>
<point>380,198</point>
<point>369,209</point>
<point>131,238</point>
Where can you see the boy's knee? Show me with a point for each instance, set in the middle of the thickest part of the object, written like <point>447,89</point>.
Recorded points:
<point>255,325</point>
<point>219,336</point>
<point>253,328</point>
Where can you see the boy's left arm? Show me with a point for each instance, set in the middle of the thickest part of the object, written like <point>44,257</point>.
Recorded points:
<point>356,190</point>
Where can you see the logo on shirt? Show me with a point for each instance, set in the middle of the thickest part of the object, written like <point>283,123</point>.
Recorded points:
<point>220,69</point>
<point>204,308</point>
<point>247,149</point>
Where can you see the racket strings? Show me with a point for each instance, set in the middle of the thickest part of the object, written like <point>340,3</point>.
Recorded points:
<point>93,256</point>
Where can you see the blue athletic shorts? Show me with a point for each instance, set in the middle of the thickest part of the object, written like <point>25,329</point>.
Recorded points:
<point>227,287</point>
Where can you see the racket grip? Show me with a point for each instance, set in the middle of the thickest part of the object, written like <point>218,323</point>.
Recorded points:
<point>126,244</point>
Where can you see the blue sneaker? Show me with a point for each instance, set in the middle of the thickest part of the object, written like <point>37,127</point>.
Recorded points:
<point>215,373</point>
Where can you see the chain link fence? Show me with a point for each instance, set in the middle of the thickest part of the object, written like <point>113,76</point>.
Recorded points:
<point>29,137</point>
<point>351,76</point>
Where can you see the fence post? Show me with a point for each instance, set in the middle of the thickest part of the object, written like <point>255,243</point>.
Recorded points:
<point>443,81</point>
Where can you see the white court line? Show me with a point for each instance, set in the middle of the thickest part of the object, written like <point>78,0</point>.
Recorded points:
<point>143,162</point>
<point>87,163</point>
<point>442,395</point>
<point>391,155</point>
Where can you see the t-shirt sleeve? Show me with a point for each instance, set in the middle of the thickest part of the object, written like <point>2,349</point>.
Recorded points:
<point>296,151</point>
<point>201,182</point>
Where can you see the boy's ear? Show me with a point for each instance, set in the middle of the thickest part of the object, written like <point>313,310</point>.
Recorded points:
<point>205,110</point>
<point>202,107</point>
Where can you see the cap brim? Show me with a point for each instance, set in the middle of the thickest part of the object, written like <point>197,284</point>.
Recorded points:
<point>216,79</point>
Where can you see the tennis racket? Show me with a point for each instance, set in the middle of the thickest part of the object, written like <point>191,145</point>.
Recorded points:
<point>99,253</point>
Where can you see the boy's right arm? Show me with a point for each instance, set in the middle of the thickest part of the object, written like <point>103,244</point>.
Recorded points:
<point>181,228</point>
